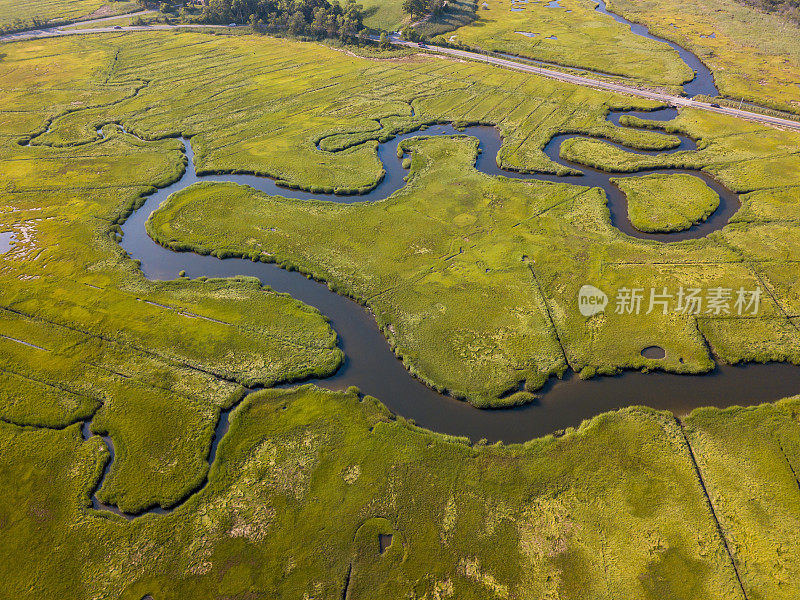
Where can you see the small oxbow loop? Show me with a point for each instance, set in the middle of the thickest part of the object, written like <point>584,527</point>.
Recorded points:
<point>687,301</point>
<point>591,300</point>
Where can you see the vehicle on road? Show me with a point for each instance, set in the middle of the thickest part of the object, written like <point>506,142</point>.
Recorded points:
<point>715,105</point>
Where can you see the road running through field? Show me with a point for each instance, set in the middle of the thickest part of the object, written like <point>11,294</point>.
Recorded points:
<point>518,65</point>
<point>369,362</point>
<point>676,101</point>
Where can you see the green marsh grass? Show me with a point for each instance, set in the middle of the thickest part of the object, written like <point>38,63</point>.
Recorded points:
<point>461,271</point>
<point>306,480</point>
<point>754,55</point>
<point>23,14</point>
<point>666,203</point>
<point>584,39</point>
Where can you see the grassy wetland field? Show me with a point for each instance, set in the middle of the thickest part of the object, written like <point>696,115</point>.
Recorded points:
<point>17,14</point>
<point>307,480</point>
<point>384,14</point>
<point>573,34</point>
<point>753,55</point>
<point>471,278</point>
<point>664,203</point>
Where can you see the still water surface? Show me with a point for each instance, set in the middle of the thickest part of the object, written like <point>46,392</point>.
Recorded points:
<point>371,365</point>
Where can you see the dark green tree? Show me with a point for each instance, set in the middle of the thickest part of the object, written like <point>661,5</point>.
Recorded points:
<point>415,8</point>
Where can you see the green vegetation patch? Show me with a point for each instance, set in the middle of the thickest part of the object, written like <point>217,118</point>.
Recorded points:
<point>151,18</point>
<point>754,488</point>
<point>306,481</point>
<point>664,203</point>
<point>480,352</point>
<point>754,55</point>
<point>572,34</point>
<point>81,330</point>
<point>473,279</point>
<point>16,15</point>
<point>383,14</point>
<point>311,132</point>
<point>447,16</point>
<point>464,272</point>
<point>316,18</point>
<point>494,232</point>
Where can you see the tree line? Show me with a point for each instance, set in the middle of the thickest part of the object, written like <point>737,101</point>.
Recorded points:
<point>788,8</point>
<point>312,18</point>
<point>420,8</point>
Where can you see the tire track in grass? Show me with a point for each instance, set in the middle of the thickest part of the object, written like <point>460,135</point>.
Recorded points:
<point>346,589</point>
<point>543,299</point>
<point>713,511</point>
<point>789,464</point>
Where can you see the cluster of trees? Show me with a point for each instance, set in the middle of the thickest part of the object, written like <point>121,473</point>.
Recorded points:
<point>419,8</point>
<point>22,25</point>
<point>788,8</point>
<point>312,18</point>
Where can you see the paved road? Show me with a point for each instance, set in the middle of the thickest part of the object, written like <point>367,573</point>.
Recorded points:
<point>57,30</point>
<point>678,101</point>
<point>61,30</point>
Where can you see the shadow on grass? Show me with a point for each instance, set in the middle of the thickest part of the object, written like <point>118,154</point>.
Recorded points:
<point>457,14</point>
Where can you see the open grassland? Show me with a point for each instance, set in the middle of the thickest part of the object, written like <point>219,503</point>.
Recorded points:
<point>388,15</point>
<point>83,330</point>
<point>306,481</point>
<point>753,55</point>
<point>756,494</point>
<point>384,14</point>
<point>146,19</point>
<point>465,273</point>
<point>455,14</point>
<point>15,14</point>
<point>571,34</point>
<point>663,203</point>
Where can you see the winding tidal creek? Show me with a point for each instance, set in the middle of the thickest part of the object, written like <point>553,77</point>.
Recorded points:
<point>372,366</point>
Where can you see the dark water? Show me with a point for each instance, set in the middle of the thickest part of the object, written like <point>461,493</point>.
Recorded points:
<point>371,366</point>
<point>384,541</point>
<point>655,352</point>
<point>369,363</point>
<point>701,84</point>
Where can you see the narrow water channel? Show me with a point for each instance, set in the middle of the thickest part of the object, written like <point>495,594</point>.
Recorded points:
<point>370,364</point>
<point>701,84</point>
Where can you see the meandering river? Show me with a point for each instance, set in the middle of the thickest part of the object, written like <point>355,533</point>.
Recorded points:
<point>372,366</point>
<point>703,82</point>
